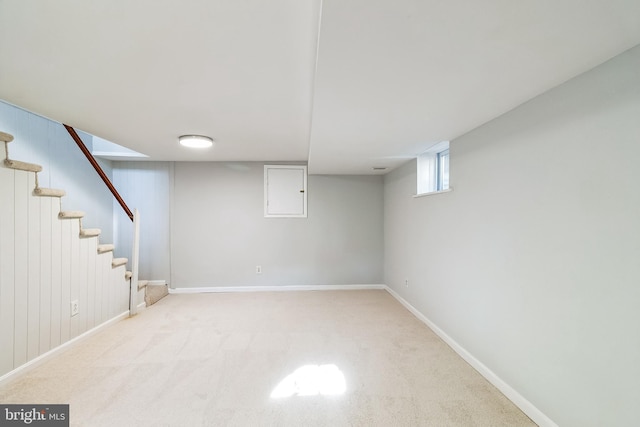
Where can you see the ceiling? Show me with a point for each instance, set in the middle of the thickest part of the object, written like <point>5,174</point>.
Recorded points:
<point>346,85</point>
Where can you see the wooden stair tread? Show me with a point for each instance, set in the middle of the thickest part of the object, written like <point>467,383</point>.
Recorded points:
<point>23,166</point>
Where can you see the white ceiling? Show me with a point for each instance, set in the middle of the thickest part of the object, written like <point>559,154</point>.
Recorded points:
<point>345,84</point>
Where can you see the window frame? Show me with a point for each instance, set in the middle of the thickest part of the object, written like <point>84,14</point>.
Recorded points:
<point>442,170</point>
<point>433,175</point>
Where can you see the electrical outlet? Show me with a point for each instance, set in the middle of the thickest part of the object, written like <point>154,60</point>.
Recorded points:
<point>258,269</point>
<point>75,307</point>
<point>406,283</point>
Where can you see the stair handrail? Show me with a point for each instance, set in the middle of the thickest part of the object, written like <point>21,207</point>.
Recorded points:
<point>98,169</point>
<point>135,218</point>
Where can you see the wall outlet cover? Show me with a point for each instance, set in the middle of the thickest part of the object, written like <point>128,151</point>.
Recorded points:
<point>75,307</point>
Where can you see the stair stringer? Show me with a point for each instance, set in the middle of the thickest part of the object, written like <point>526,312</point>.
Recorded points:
<point>44,266</point>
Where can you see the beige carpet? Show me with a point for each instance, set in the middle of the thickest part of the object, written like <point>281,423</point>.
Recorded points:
<point>241,359</point>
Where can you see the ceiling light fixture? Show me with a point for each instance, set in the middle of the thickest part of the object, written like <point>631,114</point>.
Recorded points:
<point>195,141</point>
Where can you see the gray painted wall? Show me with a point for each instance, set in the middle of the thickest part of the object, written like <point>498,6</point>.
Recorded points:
<point>532,262</point>
<point>145,186</point>
<point>219,234</point>
<point>47,143</point>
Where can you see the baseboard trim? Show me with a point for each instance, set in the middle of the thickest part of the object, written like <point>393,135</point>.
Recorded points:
<point>274,288</point>
<point>525,406</point>
<point>23,369</point>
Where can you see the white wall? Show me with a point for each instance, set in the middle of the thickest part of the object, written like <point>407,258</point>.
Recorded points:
<point>44,265</point>
<point>532,263</point>
<point>219,234</point>
<point>47,143</point>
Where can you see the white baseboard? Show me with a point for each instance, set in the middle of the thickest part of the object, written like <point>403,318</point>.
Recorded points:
<point>23,369</point>
<point>273,288</point>
<point>525,406</point>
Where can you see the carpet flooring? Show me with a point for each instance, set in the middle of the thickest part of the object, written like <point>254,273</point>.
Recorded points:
<point>326,358</point>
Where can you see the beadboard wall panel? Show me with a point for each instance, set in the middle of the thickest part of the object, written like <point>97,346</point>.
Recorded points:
<point>44,265</point>
<point>21,265</point>
<point>46,252</point>
<point>7,271</point>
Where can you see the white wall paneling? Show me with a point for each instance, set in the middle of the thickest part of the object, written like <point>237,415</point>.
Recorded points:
<point>44,265</point>
<point>85,246</point>
<point>65,294</point>
<point>47,217</point>
<point>7,267</point>
<point>34,241</point>
<point>74,283</point>
<point>56,275</point>
<point>102,278</point>
<point>89,307</point>
<point>21,279</point>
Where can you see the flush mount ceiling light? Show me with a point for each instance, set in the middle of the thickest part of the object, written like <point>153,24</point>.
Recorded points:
<point>195,141</point>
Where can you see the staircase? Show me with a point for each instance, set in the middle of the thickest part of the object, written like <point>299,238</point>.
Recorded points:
<point>57,281</point>
<point>84,233</point>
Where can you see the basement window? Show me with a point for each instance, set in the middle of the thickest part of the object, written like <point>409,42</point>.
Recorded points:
<point>433,170</point>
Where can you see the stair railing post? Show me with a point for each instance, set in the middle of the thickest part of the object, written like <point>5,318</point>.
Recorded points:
<point>135,252</point>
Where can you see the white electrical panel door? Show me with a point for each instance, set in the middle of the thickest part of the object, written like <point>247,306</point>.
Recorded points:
<point>285,191</point>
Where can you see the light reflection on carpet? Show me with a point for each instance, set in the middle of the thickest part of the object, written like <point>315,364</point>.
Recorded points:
<point>311,380</point>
